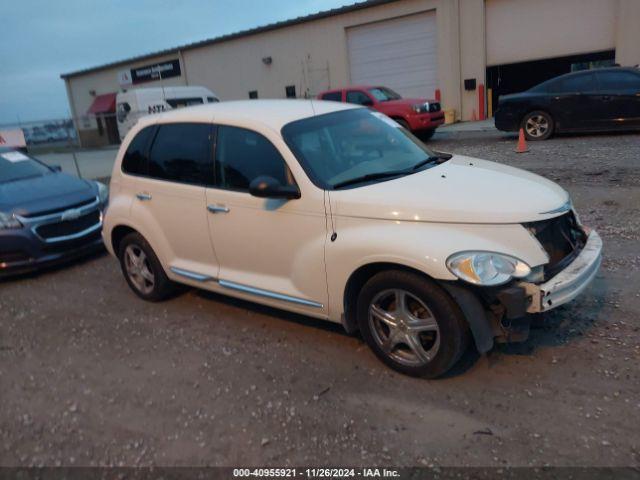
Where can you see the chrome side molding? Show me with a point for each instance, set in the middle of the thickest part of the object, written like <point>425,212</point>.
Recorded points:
<point>198,277</point>
<point>269,294</point>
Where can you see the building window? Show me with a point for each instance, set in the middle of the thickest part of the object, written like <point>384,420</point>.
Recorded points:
<point>290,90</point>
<point>253,94</point>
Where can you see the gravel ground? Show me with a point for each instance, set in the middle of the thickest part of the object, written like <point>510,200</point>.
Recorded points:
<point>91,375</point>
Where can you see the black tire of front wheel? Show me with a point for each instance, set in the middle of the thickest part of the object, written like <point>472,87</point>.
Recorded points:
<point>454,329</point>
<point>546,134</point>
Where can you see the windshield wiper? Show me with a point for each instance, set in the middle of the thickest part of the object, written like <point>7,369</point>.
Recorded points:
<point>370,176</point>
<point>437,158</point>
<point>426,161</point>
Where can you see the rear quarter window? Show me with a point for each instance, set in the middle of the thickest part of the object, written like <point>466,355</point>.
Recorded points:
<point>135,158</point>
<point>182,153</point>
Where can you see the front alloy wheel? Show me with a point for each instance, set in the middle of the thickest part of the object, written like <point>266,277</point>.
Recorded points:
<point>538,125</point>
<point>404,327</point>
<point>411,323</point>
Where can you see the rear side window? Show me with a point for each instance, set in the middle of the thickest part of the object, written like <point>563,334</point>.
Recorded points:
<point>242,155</point>
<point>358,97</point>
<point>622,80</point>
<point>181,152</point>
<point>134,161</point>
<point>184,102</point>
<point>574,84</point>
<point>332,96</point>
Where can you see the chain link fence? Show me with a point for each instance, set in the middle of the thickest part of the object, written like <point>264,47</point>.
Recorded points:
<point>56,143</point>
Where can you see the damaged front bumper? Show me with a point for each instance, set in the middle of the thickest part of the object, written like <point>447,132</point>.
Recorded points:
<point>570,282</point>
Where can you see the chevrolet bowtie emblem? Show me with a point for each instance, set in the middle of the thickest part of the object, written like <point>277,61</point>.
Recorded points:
<point>72,214</point>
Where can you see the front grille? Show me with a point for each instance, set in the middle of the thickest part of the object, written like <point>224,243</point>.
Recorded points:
<point>69,227</point>
<point>562,239</point>
<point>434,107</point>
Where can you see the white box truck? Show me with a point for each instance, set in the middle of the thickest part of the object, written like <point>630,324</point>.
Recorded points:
<point>136,103</point>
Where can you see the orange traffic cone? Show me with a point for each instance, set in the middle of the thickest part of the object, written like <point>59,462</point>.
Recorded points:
<point>522,143</point>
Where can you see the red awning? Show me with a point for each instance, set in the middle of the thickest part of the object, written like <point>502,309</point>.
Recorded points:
<point>103,104</point>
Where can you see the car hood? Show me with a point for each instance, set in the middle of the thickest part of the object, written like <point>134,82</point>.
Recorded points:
<point>55,191</point>
<point>461,190</point>
<point>405,102</point>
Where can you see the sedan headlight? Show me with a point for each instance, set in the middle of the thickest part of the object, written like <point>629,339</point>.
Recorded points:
<point>9,221</point>
<point>103,192</point>
<point>486,268</point>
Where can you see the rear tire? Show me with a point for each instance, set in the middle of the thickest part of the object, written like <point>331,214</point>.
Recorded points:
<point>537,125</point>
<point>411,323</point>
<point>142,269</point>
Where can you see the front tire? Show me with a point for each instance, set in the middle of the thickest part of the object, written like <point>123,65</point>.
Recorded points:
<point>142,269</point>
<point>411,323</point>
<point>425,135</point>
<point>538,125</point>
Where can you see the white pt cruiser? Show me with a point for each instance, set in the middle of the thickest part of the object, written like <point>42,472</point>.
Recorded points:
<point>335,211</point>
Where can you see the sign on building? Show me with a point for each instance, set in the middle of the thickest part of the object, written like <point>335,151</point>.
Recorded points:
<point>149,73</point>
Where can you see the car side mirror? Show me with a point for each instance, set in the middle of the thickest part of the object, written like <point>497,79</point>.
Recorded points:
<point>367,103</point>
<point>269,187</point>
<point>56,168</point>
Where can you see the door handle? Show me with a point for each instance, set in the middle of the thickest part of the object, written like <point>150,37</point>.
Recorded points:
<point>142,196</point>
<point>218,209</point>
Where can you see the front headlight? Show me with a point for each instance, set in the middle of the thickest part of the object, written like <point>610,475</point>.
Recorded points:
<point>486,268</point>
<point>103,192</point>
<point>9,221</point>
<point>421,107</point>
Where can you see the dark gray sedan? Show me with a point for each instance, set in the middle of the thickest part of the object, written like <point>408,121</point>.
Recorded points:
<point>46,216</point>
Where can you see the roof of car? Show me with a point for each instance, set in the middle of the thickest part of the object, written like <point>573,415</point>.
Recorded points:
<point>271,113</point>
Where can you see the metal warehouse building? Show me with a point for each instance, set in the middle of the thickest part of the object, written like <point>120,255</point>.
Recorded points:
<point>460,47</point>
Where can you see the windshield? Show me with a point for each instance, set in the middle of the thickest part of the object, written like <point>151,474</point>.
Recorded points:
<point>17,166</point>
<point>384,94</point>
<point>340,147</point>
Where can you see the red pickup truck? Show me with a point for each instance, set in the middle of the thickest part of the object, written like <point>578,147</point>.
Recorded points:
<point>419,115</point>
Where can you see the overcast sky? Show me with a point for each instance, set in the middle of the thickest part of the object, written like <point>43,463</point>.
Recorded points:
<point>40,39</point>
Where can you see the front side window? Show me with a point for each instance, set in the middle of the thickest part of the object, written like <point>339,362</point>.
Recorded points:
<point>353,147</point>
<point>620,80</point>
<point>384,94</point>
<point>181,152</point>
<point>332,96</point>
<point>358,97</point>
<point>134,161</point>
<point>242,155</point>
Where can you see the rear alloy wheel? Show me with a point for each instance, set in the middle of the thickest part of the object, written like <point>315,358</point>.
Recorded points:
<point>411,323</point>
<point>537,125</point>
<point>142,269</point>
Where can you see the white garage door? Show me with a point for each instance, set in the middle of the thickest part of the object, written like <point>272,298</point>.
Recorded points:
<point>522,30</point>
<point>399,53</point>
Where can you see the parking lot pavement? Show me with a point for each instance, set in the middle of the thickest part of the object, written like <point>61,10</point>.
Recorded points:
<point>93,164</point>
<point>91,375</point>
